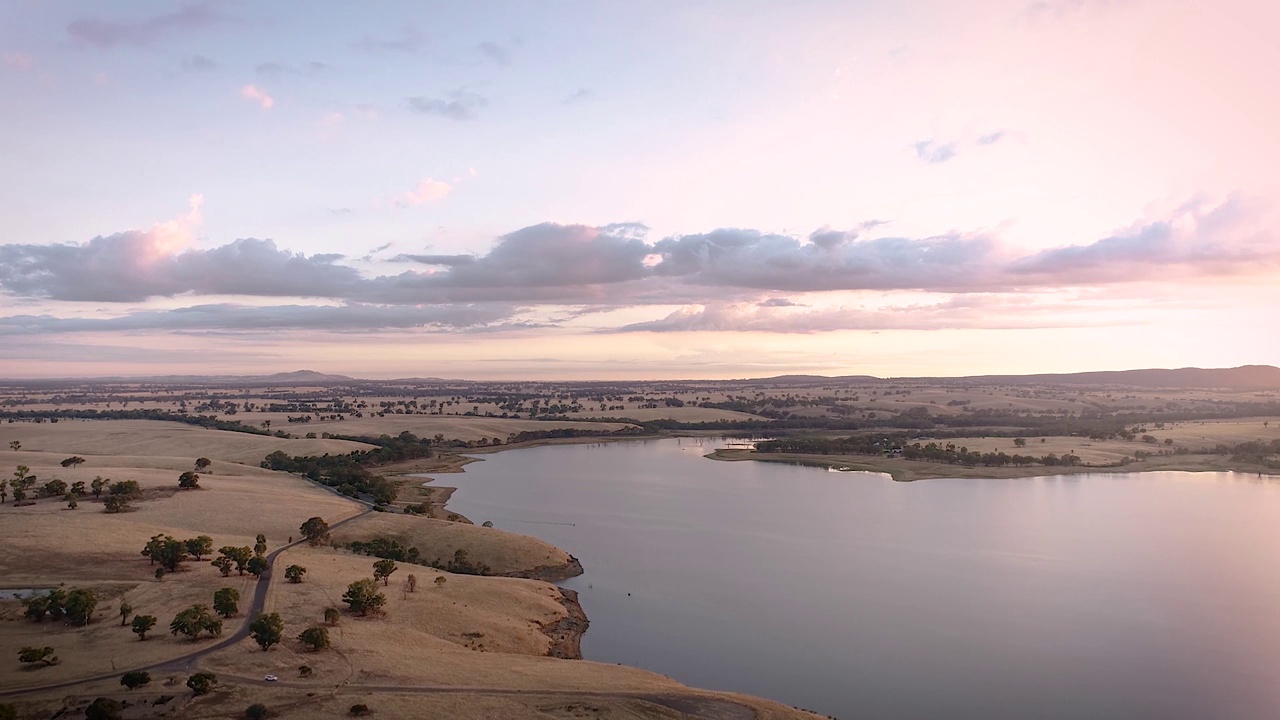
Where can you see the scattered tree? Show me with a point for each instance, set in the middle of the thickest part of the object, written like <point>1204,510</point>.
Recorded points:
<point>71,502</point>
<point>224,564</point>
<point>33,655</point>
<point>267,630</point>
<point>257,565</point>
<point>238,555</point>
<point>202,683</point>
<point>97,485</point>
<point>72,461</point>
<point>77,489</point>
<point>4,490</point>
<point>331,615</point>
<point>115,504</point>
<point>226,602</point>
<point>195,620</point>
<point>199,546</point>
<point>165,551</point>
<point>260,544</point>
<point>103,709</point>
<point>159,573</point>
<point>257,711</point>
<point>294,573</point>
<point>22,481</point>
<point>440,581</point>
<point>411,583</point>
<point>487,523</point>
<point>315,530</point>
<point>202,463</point>
<point>15,445</point>
<point>315,637</point>
<point>125,611</point>
<point>135,679</point>
<point>359,710</point>
<point>79,606</point>
<point>53,488</point>
<point>189,481</point>
<point>363,597</point>
<point>382,570</point>
<point>142,624</point>
<point>305,670</point>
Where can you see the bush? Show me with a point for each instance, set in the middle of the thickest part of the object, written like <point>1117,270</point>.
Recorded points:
<point>358,710</point>
<point>257,711</point>
<point>135,679</point>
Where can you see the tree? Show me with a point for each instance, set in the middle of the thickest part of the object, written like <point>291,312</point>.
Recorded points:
<point>267,630</point>
<point>135,679</point>
<point>260,544</point>
<point>22,481</point>
<point>359,710</point>
<point>71,502</point>
<point>97,485</point>
<point>202,683</point>
<point>257,565</point>
<point>315,637</point>
<point>142,624</point>
<point>411,583</point>
<point>103,709</point>
<point>15,445</point>
<point>238,555</point>
<point>8,712</point>
<point>72,461</point>
<point>224,564</point>
<point>226,602</point>
<point>199,546</point>
<point>1020,442</point>
<point>440,581</point>
<point>115,504</point>
<point>382,570</point>
<point>54,488</point>
<point>77,489</point>
<point>127,488</point>
<point>125,611</point>
<point>33,655</point>
<point>305,670</point>
<point>257,711</point>
<point>363,597</point>
<point>331,615</point>
<point>4,490</point>
<point>202,463</point>
<point>315,530</point>
<point>189,481</point>
<point>294,573</point>
<point>80,605</point>
<point>195,620</point>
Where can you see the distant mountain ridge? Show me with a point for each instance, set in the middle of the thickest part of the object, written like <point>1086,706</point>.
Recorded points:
<point>1245,377</point>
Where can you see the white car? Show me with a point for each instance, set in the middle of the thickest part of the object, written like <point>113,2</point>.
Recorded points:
<point>271,678</point>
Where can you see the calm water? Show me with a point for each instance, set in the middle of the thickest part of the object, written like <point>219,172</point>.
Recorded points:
<point>1102,596</point>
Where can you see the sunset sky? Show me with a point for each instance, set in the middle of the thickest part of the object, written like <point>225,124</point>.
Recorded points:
<point>638,189</point>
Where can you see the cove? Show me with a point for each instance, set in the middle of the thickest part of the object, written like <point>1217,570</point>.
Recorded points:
<point>1102,596</point>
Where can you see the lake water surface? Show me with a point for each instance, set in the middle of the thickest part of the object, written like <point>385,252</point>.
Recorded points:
<point>1152,595</point>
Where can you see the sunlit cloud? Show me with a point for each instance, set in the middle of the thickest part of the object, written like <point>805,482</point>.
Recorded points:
<point>19,60</point>
<point>258,95</point>
<point>105,33</point>
<point>426,191</point>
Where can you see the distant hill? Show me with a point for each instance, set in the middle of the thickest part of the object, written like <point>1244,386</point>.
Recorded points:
<point>1245,377</point>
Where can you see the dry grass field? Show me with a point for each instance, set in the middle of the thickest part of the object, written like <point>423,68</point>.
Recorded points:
<point>474,647</point>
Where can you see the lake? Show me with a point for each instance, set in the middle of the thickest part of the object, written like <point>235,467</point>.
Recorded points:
<point>1153,595</point>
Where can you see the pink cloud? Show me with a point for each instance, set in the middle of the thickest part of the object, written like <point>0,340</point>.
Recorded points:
<point>258,95</point>
<point>429,190</point>
<point>19,60</point>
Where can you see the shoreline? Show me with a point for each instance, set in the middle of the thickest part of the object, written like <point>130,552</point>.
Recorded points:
<point>900,470</point>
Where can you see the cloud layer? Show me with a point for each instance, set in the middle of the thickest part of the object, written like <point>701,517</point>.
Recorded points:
<point>610,266</point>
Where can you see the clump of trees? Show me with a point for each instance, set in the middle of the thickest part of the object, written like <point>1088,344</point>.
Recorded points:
<point>314,638</point>
<point>391,549</point>
<point>363,597</point>
<point>42,656</point>
<point>230,557</point>
<point>315,530</point>
<point>195,620</point>
<point>294,573</point>
<point>189,481</point>
<point>74,607</point>
<point>202,683</point>
<point>169,553</point>
<point>350,473</point>
<point>267,630</point>
<point>120,494</point>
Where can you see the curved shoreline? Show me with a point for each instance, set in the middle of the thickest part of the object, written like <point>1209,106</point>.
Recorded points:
<point>912,470</point>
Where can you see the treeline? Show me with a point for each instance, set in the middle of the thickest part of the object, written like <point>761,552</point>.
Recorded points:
<point>391,549</point>
<point>928,452</point>
<point>349,473</point>
<point>205,421</point>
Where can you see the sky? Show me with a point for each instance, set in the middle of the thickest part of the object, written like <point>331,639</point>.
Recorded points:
<point>614,190</point>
